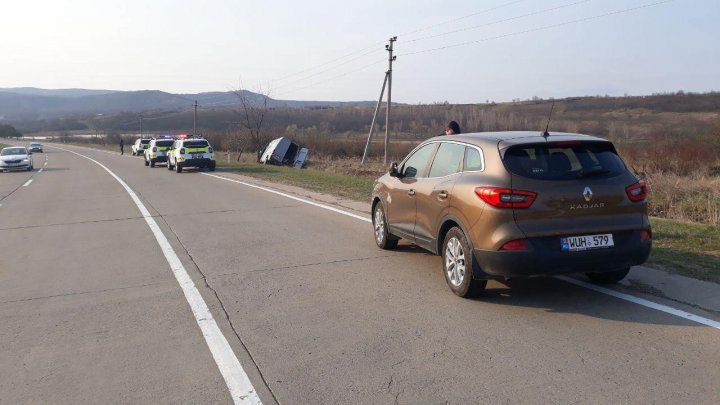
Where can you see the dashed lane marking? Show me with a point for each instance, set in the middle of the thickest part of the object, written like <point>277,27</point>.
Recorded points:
<point>27,183</point>
<point>237,381</point>
<point>626,297</point>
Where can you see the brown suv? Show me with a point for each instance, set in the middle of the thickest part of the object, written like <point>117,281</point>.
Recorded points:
<point>512,204</point>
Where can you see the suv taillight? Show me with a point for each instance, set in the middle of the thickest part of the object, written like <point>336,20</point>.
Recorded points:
<point>505,197</point>
<point>645,235</point>
<point>637,192</point>
<point>182,151</point>
<point>154,149</point>
<point>210,149</point>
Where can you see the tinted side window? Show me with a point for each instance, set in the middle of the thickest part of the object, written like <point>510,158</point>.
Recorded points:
<point>447,160</point>
<point>417,163</point>
<point>473,160</point>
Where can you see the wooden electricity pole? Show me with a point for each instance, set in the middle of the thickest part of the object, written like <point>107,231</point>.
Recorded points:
<point>195,119</point>
<point>391,59</point>
<point>387,82</point>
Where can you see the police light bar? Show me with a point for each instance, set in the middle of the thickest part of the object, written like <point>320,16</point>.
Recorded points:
<point>182,136</point>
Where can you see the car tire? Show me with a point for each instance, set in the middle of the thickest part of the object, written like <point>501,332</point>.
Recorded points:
<point>146,161</point>
<point>30,168</point>
<point>178,168</point>
<point>457,262</point>
<point>212,167</point>
<point>610,277</point>
<point>152,162</point>
<point>383,238</point>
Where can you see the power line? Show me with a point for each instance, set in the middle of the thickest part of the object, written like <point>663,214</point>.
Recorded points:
<point>462,18</point>
<point>333,77</point>
<point>543,11</point>
<point>327,70</point>
<point>547,27</point>
<point>372,46</point>
<point>329,62</point>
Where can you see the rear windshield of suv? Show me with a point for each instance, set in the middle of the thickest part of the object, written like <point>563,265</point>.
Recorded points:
<point>164,143</point>
<point>195,144</point>
<point>144,141</point>
<point>564,160</point>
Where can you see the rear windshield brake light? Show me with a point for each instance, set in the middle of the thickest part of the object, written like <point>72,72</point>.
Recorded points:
<point>505,197</point>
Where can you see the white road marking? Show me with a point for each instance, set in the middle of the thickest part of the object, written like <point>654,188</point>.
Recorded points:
<point>643,302</point>
<point>40,171</point>
<point>269,190</point>
<point>45,164</point>
<point>236,379</point>
<point>607,291</point>
<point>27,183</point>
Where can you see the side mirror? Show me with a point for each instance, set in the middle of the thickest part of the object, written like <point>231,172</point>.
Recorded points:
<point>394,170</point>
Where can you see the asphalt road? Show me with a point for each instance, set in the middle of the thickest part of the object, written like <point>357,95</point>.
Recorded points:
<point>91,312</point>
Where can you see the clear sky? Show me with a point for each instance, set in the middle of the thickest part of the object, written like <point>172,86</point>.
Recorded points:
<point>184,46</point>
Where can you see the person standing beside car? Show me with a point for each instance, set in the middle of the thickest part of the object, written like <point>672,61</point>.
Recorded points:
<point>122,147</point>
<point>453,128</point>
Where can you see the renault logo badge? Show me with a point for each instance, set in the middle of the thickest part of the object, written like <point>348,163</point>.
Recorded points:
<point>587,193</point>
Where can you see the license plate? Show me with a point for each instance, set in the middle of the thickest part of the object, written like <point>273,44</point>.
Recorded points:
<point>586,242</point>
<point>197,155</point>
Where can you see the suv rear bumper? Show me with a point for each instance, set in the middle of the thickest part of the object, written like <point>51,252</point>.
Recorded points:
<point>538,260</point>
<point>202,162</point>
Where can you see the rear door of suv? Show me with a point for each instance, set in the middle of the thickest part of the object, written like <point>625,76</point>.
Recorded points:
<point>581,188</point>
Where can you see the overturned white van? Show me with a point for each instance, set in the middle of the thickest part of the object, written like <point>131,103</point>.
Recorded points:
<point>283,151</point>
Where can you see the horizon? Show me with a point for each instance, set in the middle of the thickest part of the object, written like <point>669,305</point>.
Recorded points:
<point>514,100</point>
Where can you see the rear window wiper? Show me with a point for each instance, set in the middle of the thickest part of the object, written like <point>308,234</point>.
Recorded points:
<point>593,172</point>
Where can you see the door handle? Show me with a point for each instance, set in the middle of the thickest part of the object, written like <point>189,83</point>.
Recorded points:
<point>411,192</point>
<point>443,195</point>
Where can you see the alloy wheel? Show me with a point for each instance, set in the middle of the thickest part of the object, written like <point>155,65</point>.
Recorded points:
<point>455,262</point>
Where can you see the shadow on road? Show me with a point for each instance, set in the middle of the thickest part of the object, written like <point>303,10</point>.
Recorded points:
<point>558,297</point>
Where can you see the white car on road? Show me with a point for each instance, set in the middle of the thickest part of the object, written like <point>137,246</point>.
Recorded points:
<point>15,158</point>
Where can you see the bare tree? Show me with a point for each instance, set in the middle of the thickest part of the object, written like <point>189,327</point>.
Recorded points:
<point>253,111</point>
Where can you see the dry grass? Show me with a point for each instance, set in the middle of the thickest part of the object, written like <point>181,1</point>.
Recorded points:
<point>694,198</point>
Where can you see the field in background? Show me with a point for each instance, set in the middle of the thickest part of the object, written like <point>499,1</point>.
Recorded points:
<point>671,140</point>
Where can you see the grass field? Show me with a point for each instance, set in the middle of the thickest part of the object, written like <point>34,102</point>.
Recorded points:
<point>686,248</point>
<point>351,187</point>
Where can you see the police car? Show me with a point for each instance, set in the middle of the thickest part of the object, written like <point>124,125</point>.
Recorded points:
<point>191,152</point>
<point>157,150</point>
<point>140,145</point>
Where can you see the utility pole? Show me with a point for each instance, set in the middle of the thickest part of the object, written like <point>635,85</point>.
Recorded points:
<point>391,59</point>
<point>195,120</point>
<point>372,125</point>
<point>388,82</point>
<point>141,131</point>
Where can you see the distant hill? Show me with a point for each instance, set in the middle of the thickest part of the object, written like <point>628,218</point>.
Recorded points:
<point>30,104</point>
<point>33,91</point>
